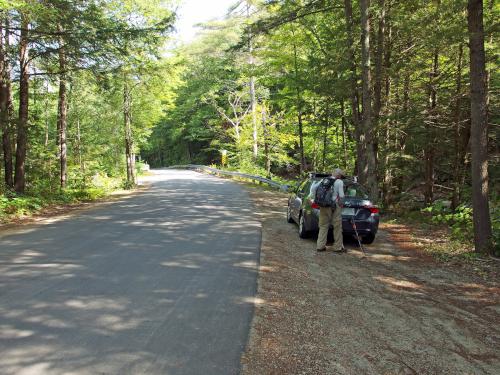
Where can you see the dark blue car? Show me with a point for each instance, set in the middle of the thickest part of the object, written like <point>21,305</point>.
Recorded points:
<point>357,206</point>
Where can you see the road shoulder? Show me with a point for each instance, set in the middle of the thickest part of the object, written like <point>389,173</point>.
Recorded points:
<point>394,312</point>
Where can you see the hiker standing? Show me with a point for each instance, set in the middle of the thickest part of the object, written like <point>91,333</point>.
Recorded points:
<point>332,215</point>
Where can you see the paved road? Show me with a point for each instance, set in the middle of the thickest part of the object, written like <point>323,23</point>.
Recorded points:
<point>159,283</point>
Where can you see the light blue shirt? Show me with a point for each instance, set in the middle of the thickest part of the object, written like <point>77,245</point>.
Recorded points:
<point>338,190</point>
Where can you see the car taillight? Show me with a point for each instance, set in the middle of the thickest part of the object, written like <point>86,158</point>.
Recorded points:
<point>372,209</point>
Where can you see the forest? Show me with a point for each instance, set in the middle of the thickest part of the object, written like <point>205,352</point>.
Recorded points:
<point>402,94</point>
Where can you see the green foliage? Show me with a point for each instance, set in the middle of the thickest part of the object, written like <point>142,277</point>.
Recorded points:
<point>298,54</point>
<point>19,205</point>
<point>459,220</point>
<point>127,185</point>
<point>27,205</point>
<point>104,44</point>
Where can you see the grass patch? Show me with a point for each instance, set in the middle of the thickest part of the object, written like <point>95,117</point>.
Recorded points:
<point>14,207</point>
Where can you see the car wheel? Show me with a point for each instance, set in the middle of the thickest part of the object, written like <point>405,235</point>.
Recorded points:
<point>368,239</point>
<point>303,233</point>
<point>289,217</point>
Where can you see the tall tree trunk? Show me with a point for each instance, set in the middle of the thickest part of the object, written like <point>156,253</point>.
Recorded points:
<point>360,154</point>
<point>406,108</point>
<point>389,144</point>
<point>22,123</point>
<point>344,131</point>
<point>188,151</point>
<point>46,112</point>
<point>493,27</point>
<point>458,159</point>
<point>366,90</point>
<point>299,110</point>
<point>429,149</point>
<point>387,53</point>
<point>479,129</point>
<point>266,141</point>
<point>79,147</point>
<point>301,143</point>
<point>129,144</point>
<point>253,101</point>
<point>369,169</point>
<point>387,170</point>
<point>387,184</point>
<point>379,71</point>
<point>6,103</point>
<point>400,137</point>
<point>62,113</point>
<point>326,125</point>
<point>254,118</point>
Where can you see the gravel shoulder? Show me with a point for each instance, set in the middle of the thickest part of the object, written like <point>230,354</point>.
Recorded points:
<point>394,312</point>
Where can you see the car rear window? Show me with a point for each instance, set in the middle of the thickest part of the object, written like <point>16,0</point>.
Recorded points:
<point>351,189</point>
<point>354,190</point>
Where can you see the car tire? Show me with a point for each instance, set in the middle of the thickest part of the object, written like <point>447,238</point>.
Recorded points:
<point>289,217</point>
<point>303,233</point>
<point>368,239</point>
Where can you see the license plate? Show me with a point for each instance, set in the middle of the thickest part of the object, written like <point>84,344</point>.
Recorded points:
<point>349,211</point>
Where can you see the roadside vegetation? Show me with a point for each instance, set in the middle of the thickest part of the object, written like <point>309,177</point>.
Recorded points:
<point>82,84</point>
<point>46,199</point>
<point>382,89</point>
<point>401,94</point>
<point>438,231</point>
<point>14,207</point>
<point>447,233</point>
<point>450,244</point>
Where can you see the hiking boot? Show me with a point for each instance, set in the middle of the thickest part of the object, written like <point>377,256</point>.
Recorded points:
<point>341,250</point>
<point>321,250</point>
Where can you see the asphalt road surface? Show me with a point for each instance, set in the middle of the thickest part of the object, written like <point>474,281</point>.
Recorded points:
<point>162,282</point>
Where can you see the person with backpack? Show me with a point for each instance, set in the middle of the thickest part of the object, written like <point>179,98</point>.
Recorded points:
<point>329,196</point>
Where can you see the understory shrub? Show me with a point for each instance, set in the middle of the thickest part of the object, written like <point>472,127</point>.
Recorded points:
<point>43,195</point>
<point>459,220</point>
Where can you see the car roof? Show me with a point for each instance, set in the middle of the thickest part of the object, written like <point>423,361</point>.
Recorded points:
<point>320,175</point>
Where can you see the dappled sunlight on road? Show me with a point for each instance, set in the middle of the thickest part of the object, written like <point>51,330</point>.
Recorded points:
<point>108,291</point>
<point>182,264</point>
<point>405,284</point>
<point>9,332</point>
<point>252,300</point>
<point>250,264</point>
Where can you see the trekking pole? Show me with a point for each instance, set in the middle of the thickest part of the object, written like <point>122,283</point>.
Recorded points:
<point>357,237</point>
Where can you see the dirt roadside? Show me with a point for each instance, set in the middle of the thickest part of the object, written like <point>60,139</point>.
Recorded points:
<point>394,312</point>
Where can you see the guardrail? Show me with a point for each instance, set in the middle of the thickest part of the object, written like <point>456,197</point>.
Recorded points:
<point>220,172</point>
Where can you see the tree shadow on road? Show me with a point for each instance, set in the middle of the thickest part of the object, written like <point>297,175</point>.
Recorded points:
<point>161,282</point>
